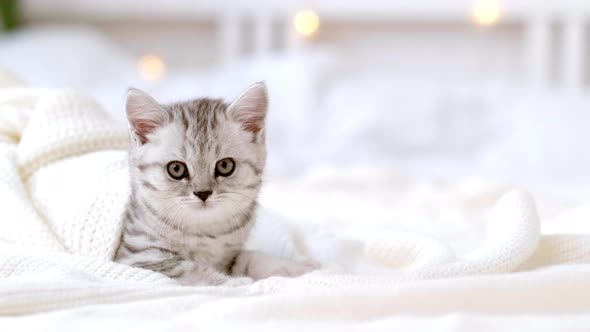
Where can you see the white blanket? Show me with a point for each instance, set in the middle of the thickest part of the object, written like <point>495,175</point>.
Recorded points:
<point>63,185</point>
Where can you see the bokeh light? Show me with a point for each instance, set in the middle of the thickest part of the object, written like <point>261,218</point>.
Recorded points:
<point>486,12</point>
<point>151,67</point>
<point>306,22</point>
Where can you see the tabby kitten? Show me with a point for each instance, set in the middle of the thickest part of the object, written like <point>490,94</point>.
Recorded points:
<point>196,170</point>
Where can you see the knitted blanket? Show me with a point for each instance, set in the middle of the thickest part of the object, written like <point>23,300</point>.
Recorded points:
<point>64,183</point>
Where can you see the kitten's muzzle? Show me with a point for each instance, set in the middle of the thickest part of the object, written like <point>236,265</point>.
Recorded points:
<point>203,195</point>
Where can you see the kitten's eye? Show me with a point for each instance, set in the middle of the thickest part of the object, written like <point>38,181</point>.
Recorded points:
<point>225,167</point>
<point>177,170</point>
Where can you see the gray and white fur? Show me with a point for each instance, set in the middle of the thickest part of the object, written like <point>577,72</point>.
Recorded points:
<point>196,169</point>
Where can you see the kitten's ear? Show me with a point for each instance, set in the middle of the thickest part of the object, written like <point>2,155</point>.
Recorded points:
<point>143,113</point>
<point>250,107</point>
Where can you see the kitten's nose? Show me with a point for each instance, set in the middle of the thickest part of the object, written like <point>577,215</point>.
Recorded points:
<point>203,195</point>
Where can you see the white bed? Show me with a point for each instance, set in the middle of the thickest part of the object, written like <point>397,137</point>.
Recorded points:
<point>400,250</point>
<point>397,253</point>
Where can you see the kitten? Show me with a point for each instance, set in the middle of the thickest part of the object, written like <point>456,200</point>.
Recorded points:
<point>196,170</point>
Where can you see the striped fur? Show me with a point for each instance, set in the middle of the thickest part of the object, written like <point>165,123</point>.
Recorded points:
<point>167,228</point>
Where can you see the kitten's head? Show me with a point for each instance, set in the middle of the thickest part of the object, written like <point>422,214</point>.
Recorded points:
<point>198,163</point>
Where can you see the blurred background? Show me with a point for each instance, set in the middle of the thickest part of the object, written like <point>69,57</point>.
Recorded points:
<point>427,89</point>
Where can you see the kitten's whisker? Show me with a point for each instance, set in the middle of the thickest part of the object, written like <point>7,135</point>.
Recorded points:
<point>228,195</point>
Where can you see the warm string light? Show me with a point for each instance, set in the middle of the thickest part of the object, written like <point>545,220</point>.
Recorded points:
<point>486,12</point>
<point>151,67</point>
<point>306,22</point>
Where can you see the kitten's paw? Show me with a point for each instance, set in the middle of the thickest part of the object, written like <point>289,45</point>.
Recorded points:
<point>238,281</point>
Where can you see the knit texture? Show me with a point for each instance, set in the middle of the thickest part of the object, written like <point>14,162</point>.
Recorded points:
<point>64,185</point>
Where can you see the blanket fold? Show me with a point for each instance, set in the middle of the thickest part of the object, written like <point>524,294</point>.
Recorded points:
<point>64,185</point>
